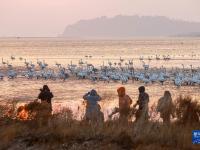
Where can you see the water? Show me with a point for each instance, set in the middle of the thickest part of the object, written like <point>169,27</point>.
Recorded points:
<point>69,93</point>
<point>63,51</point>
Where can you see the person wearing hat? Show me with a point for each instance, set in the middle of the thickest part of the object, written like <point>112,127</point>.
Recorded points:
<point>93,109</point>
<point>124,104</point>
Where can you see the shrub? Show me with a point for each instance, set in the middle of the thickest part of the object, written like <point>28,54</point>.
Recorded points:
<point>187,110</point>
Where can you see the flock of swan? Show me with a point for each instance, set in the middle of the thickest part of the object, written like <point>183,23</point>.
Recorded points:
<point>120,71</point>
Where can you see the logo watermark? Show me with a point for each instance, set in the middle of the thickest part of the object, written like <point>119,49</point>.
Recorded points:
<point>196,136</point>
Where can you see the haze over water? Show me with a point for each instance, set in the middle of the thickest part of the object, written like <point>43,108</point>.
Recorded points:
<point>64,51</point>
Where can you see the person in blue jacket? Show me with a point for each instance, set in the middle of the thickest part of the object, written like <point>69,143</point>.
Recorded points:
<point>93,109</point>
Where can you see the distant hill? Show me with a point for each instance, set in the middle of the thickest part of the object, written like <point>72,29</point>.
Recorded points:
<point>131,26</point>
<point>195,34</point>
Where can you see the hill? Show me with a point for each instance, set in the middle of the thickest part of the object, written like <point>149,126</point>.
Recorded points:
<point>131,26</point>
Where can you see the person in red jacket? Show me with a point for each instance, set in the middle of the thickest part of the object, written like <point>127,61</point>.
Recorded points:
<point>124,104</point>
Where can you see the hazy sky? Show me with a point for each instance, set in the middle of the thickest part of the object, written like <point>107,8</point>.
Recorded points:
<point>50,17</point>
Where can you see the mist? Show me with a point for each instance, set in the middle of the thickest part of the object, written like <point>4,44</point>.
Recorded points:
<point>48,18</point>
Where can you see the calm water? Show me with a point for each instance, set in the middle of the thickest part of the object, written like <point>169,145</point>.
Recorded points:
<point>64,51</point>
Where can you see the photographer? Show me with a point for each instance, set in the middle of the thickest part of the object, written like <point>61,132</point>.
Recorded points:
<point>93,109</point>
<point>45,96</point>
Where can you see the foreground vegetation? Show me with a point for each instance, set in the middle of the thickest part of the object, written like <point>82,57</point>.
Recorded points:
<point>62,131</point>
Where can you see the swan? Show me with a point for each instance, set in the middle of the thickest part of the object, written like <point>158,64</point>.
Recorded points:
<point>161,78</point>
<point>124,79</point>
<point>121,60</point>
<point>153,77</point>
<point>62,74</point>
<point>12,57</point>
<point>110,64</point>
<point>32,65</point>
<point>12,74</point>
<point>80,62</point>
<point>45,64</point>
<point>30,74</point>
<point>20,58</point>
<point>3,62</point>
<point>82,74</point>
<point>39,62</point>
<point>1,76</point>
<point>141,58</point>
<point>104,78</point>
<point>145,66</point>
<point>115,77</point>
<point>26,63</point>
<point>178,81</point>
<point>58,65</point>
<point>145,80</point>
<point>130,62</point>
<point>157,57</point>
<point>9,65</point>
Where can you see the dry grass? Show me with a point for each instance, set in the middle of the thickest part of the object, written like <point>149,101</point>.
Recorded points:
<point>61,131</point>
<point>187,110</point>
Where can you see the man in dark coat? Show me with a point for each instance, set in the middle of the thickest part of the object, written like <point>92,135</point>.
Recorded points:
<point>143,100</point>
<point>46,95</point>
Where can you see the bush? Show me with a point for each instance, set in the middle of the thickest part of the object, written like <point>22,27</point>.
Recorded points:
<point>64,132</point>
<point>187,110</point>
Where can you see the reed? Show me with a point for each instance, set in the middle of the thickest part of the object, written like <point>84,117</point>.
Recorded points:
<point>62,131</point>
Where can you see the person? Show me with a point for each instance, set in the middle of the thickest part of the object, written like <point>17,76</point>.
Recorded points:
<point>124,104</point>
<point>165,107</point>
<point>46,96</point>
<point>143,100</point>
<point>93,109</point>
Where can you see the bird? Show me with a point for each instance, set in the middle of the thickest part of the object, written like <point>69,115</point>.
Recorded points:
<point>32,65</point>
<point>161,78</point>
<point>3,62</point>
<point>121,60</point>
<point>145,66</point>
<point>58,65</point>
<point>26,63</point>
<point>110,64</point>
<point>104,78</point>
<point>150,58</point>
<point>20,58</point>
<point>9,65</point>
<point>44,63</point>
<point>1,76</point>
<point>178,81</point>
<point>12,57</point>
<point>12,74</point>
<point>124,79</point>
<point>157,57</point>
<point>80,62</point>
<point>141,58</point>
<point>39,62</point>
<point>130,62</point>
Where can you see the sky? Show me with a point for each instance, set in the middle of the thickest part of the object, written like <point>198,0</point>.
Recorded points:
<point>48,18</point>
